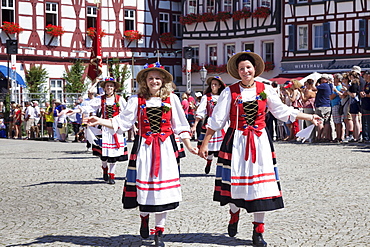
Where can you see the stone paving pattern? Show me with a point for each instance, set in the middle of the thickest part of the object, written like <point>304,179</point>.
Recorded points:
<point>52,194</point>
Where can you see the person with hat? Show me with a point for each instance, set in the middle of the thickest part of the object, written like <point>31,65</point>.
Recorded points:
<point>153,179</point>
<point>205,109</point>
<point>246,176</point>
<point>57,107</point>
<point>110,146</point>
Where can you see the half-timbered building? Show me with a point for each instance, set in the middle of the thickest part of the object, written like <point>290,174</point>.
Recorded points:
<point>325,36</point>
<point>216,29</point>
<point>56,53</point>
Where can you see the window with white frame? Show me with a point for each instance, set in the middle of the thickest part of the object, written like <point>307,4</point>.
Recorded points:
<point>164,23</point>
<point>245,4</point>
<point>91,16</point>
<point>212,54</point>
<point>129,19</point>
<point>227,5</point>
<point>248,47</point>
<point>56,88</point>
<point>265,3</point>
<point>318,36</point>
<point>176,26</point>
<point>51,12</point>
<point>302,37</point>
<point>7,11</point>
<point>229,51</point>
<point>195,54</point>
<point>192,6</point>
<point>210,7</point>
<point>268,51</point>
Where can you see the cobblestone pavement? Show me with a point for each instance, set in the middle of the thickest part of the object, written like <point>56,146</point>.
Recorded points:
<point>52,194</point>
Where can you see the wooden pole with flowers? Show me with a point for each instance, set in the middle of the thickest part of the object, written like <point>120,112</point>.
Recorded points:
<point>95,65</point>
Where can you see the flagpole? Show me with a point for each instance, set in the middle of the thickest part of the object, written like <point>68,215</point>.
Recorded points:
<point>98,41</point>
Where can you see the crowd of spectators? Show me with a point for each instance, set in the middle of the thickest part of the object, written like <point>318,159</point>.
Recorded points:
<point>342,100</point>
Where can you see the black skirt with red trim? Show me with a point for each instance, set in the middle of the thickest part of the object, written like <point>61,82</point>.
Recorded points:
<point>223,180</point>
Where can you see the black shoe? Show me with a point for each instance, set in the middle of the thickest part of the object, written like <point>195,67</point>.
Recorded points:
<point>257,238</point>
<point>105,176</point>
<point>232,229</point>
<point>207,169</point>
<point>158,239</point>
<point>111,181</point>
<point>144,227</point>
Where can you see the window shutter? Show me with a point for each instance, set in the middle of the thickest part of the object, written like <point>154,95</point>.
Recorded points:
<point>362,34</point>
<point>326,44</point>
<point>292,38</point>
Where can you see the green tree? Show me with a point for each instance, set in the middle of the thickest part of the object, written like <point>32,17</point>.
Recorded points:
<point>74,78</point>
<point>35,78</point>
<point>120,72</point>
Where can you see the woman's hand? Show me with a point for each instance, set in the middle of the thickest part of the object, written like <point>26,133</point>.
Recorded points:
<point>315,119</point>
<point>91,121</point>
<point>203,151</point>
<point>191,149</point>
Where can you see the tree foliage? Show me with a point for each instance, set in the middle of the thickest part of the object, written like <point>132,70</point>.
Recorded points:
<point>36,77</point>
<point>74,78</point>
<point>119,72</point>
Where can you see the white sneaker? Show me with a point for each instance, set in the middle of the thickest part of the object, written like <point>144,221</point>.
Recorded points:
<point>349,139</point>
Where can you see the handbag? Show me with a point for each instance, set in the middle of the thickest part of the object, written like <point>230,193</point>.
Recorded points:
<point>60,125</point>
<point>341,108</point>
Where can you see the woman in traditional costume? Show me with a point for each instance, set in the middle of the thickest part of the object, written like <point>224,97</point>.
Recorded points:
<point>246,175</point>
<point>153,179</point>
<point>204,110</point>
<point>109,146</point>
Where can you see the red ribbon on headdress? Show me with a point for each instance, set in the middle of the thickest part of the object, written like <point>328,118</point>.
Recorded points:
<point>248,132</point>
<point>156,151</point>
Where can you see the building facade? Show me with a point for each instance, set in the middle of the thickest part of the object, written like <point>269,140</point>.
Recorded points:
<point>56,53</point>
<point>216,29</point>
<point>325,36</point>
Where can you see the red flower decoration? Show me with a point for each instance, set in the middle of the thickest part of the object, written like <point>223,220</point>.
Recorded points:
<point>222,16</point>
<point>11,27</point>
<point>188,19</point>
<point>241,14</point>
<point>132,35</point>
<point>167,38</point>
<point>261,12</point>
<point>54,30</point>
<point>92,30</point>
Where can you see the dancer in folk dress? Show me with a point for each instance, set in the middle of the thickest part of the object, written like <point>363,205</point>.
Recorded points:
<point>246,175</point>
<point>110,146</point>
<point>153,179</point>
<point>204,110</point>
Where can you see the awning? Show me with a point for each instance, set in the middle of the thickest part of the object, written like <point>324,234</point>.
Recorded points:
<point>18,77</point>
<point>280,79</point>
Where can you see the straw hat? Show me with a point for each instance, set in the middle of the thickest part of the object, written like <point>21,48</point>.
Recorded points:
<point>141,76</point>
<point>109,79</point>
<point>210,79</point>
<point>232,67</point>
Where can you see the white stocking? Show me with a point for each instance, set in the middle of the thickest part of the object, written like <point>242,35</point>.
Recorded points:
<point>233,208</point>
<point>160,219</point>
<point>259,217</point>
<point>104,164</point>
<point>112,168</point>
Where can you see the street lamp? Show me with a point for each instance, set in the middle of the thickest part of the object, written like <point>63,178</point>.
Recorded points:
<point>203,75</point>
